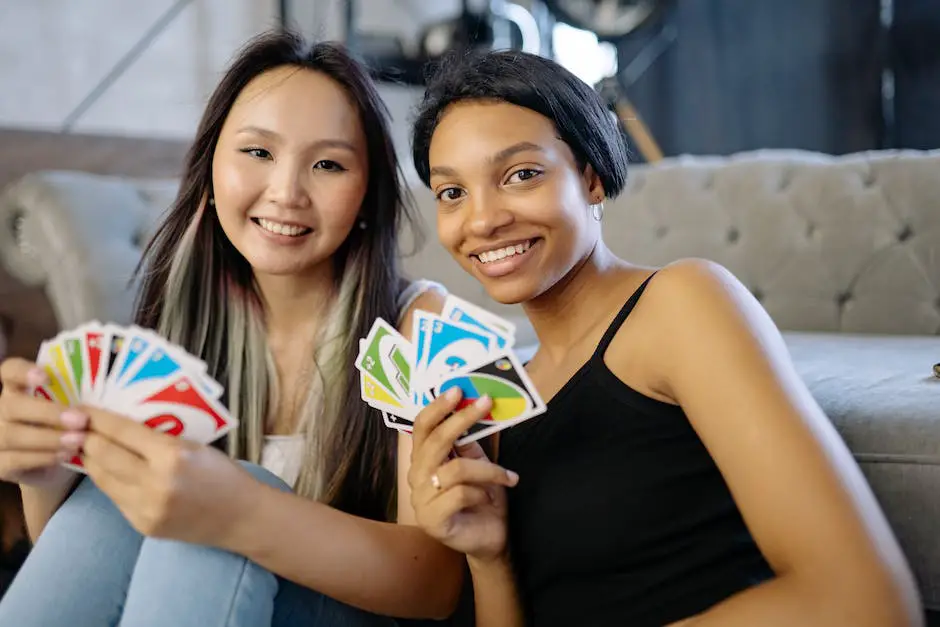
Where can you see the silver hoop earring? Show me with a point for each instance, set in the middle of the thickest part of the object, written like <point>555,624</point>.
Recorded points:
<point>597,210</point>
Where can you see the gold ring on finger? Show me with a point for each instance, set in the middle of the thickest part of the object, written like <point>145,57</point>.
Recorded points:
<point>436,481</point>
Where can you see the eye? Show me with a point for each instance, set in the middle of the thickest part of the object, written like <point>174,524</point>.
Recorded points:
<point>523,174</point>
<point>449,194</point>
<point>328,165</point>
<point>257,153</point>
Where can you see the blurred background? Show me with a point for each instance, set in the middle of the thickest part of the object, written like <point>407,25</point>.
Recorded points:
<point>116,87</point>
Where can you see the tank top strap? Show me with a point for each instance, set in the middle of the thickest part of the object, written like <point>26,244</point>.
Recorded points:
<point>621,317</point>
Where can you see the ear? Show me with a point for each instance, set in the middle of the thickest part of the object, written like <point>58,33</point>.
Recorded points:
<point>593,186</point>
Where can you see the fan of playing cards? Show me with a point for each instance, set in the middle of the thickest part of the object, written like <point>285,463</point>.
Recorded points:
<point>466,347</point>
<point>134,372</point>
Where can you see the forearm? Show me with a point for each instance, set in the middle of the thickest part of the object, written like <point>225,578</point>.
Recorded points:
<point>384,568</point>
<point>496,597</point>
<point>788,600</point>
<point>39,504</point>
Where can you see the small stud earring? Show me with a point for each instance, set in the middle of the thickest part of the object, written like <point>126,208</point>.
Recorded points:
<point>363,225</point>
<point>597,210</point>
<point>212,202</point>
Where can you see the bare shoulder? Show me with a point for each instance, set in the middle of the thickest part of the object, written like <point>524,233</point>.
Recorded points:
<point>693,303</point>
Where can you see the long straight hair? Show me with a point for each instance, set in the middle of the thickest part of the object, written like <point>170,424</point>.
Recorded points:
<point>199,292</point>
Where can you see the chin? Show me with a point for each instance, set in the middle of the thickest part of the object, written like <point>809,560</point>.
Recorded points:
<point>511,292</point>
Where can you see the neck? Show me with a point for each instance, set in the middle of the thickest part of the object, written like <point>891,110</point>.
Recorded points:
<point>295,305</point>
<point>560,315</point>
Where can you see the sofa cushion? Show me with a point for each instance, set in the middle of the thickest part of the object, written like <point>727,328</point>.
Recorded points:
<point>883,398</point>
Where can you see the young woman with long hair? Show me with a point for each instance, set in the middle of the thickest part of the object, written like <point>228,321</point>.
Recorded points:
<point>275,259</point>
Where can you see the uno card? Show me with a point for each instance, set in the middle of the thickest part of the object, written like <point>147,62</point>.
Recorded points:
<point>387,358</point>
<point>91,337</point>
<point>397,422</point>
<point>504,380</point>
<point>445,347</point>
<point>178,407</point>
<point>459,310</point>
<point>161,360</point>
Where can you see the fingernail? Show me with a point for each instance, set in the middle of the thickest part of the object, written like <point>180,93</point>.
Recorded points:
<point>484,402</point>
<point>513,477</point>
<point>74,419</point>
<point>36,377</point>
<point>73,440</point>
<point>453,394</point>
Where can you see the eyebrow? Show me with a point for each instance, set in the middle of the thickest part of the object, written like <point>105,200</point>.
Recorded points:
<point>502,155</point>
<point>320,143</point>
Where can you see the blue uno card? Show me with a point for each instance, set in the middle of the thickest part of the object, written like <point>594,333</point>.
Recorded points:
<point>137,345</point>
<point>459,315</point>
<point>160,363</point>
<point>447,347</point>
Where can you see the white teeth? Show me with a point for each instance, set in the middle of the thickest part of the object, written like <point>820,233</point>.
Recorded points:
<point>501,253</point>
<point>282,229</point>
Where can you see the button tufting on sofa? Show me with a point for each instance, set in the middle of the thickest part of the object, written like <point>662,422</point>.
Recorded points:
<point>733,235</point>
<point>905,233</point>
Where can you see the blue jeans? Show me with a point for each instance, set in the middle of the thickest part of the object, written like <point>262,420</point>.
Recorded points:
<point>91,568</point>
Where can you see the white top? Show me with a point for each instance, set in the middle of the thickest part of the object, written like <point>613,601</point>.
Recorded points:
<point>282,454</point>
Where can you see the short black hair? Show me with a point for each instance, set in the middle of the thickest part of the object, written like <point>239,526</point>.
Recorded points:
<point>582,119</point>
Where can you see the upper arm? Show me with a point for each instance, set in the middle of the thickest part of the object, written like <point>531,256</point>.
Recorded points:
<point>431,300</point>
<point>797,486</point>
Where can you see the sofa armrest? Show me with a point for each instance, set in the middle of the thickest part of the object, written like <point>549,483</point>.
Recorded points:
<point>79,236</point>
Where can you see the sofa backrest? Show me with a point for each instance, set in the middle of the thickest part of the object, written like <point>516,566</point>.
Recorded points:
<point>825,243</point>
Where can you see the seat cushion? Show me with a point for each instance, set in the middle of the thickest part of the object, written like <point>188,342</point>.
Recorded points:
<point>883,398</point>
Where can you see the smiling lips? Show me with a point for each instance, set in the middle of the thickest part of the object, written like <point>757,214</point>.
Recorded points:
<point>498,254</point>
<point>281,228</point>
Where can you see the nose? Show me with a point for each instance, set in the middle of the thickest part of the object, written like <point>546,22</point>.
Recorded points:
<point>287,186</point>
<point>487,214</point>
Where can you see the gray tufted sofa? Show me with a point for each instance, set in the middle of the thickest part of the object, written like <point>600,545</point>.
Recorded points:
<point>843,252</point>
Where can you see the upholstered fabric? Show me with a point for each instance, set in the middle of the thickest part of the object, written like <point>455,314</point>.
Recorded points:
<point>883,398</point>
<point>843,252</point>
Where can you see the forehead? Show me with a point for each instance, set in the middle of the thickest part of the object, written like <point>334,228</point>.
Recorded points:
<point>296,101</point>
<point>472,126</point>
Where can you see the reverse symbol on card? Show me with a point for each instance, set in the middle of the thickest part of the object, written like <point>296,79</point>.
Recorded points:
<point>166,423</point>
<point>455,363</point>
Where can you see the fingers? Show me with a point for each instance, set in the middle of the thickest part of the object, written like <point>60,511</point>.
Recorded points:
<point>129,434</point>
<point>22,437</point>
<point>20,461</point>
<point>21,374</point>
<point>103,456</point>
<point>462,471</point>
<point>451,502</point>
<point>435,446</point>
<point>432,415</point>
<point>26,409</point>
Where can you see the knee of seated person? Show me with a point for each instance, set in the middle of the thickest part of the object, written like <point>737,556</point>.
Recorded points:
<point>265,476</point>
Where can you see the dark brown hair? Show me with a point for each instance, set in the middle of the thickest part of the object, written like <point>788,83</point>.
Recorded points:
<point>358,464</point>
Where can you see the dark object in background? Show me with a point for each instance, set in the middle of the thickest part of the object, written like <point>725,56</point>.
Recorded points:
<point>748,75</point>
<point>914,59</point>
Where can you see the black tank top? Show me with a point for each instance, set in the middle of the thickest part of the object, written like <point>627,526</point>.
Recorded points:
<point>621,516</point>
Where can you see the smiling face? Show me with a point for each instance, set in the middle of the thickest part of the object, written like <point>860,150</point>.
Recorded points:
<point>512,201</point>
<point>289,171</point>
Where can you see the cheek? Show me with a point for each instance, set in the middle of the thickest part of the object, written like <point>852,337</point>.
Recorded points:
<point>235,185</point>
<point>449,231</point>
<point>340,201</point>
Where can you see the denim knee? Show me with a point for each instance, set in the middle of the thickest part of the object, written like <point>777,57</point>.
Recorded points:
<point>265,476</point>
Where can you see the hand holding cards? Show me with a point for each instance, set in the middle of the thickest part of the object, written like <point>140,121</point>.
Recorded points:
<point>132,371</point>
<point>465,347</point>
